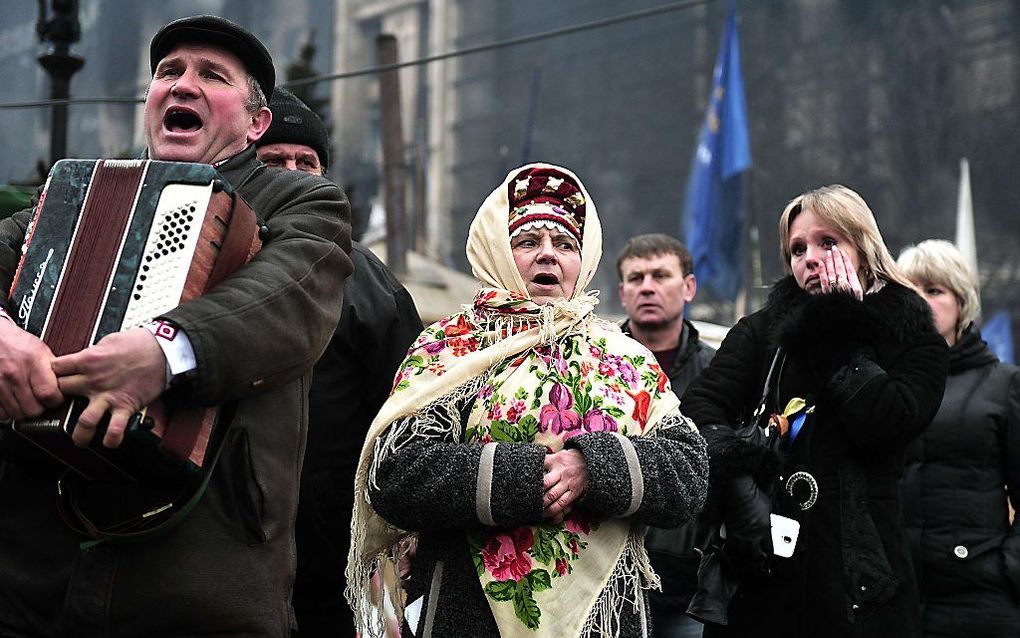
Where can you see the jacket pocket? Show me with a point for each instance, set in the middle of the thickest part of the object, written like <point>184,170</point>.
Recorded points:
<point>239,492</point>
<point>1011,571</point>
<point>867,574</point>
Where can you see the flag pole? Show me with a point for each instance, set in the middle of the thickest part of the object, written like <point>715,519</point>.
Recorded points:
<point>754,244</point>
<point>965,239</point>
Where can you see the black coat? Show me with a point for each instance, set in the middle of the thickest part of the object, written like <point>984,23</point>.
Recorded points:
<point>672,551</point>
<point>875,370</point>
<point>967,555</point>
<point>378,322</point>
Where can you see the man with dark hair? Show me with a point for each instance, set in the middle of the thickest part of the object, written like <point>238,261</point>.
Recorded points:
<point>656,284</point>
<point>226,568</point>
<point>350,382</point>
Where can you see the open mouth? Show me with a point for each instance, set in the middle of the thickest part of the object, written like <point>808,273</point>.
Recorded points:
<point>181,120</point>
<point>546,279</point>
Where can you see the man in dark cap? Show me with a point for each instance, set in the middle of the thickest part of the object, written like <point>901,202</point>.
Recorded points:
<point>297,140</point>
<point>227,567</point>
<point>350,382</point>
<point>200,66</point>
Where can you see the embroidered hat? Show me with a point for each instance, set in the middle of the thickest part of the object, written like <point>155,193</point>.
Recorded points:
<point>295,123</point>
<point>220,32</point>
<point>546,197</point>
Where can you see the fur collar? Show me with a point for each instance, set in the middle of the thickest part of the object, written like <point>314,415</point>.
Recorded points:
<point>803,321</point>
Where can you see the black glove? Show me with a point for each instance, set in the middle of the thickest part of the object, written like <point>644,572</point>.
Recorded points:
<point>746,512</point>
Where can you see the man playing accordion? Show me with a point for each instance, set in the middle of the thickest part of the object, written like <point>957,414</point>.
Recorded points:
<point>226,567</point>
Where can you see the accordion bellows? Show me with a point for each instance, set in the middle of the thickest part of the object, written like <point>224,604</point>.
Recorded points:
<point>112,245</point>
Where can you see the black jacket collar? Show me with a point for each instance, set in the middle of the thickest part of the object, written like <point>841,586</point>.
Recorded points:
<point>688,344</point>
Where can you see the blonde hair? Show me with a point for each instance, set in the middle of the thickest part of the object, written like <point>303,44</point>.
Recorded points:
<point>938,262</point>
<point>848,214</point>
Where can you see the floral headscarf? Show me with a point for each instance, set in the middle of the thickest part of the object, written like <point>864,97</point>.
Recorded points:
<point>535,374</point>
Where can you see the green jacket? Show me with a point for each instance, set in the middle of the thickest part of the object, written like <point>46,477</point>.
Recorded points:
<point>229,566</point>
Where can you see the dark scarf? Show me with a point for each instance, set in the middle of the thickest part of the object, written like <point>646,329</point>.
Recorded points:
<point>970,351</point>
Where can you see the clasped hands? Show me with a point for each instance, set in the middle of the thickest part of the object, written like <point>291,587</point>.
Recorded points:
<point>121,374</point>
<point>564,483</point>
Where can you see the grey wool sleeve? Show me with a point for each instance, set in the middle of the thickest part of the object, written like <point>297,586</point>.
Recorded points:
<point>432,484</point>
<point>658,480</point>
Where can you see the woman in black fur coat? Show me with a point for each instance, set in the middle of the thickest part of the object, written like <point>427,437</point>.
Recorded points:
<point>961,471</point>
<point>860,372</point>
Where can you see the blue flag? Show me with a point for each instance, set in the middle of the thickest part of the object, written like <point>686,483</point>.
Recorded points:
<point>998,334</point>
<point>713,222</point>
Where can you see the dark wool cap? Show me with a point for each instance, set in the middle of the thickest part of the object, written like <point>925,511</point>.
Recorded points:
<point>295,123</point>
<point>220,32</point>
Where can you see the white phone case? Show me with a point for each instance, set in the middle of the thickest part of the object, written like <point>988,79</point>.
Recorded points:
<point>784,535</point>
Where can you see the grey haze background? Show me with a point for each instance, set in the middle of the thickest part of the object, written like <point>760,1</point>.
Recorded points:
<point>882,95</point>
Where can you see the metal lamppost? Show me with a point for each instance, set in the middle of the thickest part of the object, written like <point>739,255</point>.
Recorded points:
<point>61,30</point>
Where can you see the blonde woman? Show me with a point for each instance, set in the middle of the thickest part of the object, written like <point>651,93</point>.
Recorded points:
<point>965,468</point>
<point>859,372</point>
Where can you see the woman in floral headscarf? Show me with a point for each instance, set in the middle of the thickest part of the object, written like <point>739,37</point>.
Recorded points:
<point>526,442</point>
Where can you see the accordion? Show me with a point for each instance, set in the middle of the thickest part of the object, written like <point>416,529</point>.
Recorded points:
<point>112,245</point>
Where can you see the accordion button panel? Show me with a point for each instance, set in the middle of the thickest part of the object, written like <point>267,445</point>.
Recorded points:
<point>168,253</point>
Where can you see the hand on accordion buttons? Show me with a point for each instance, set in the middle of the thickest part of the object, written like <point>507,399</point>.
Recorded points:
<point>28,384</point>
<point>120,375</point>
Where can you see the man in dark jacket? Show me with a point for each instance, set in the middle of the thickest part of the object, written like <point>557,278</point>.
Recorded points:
<point>350,382</point>
<point>227,567</point>
<point>656,284</point>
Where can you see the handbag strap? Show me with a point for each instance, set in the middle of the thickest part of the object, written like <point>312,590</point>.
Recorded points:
<point>765,390</point>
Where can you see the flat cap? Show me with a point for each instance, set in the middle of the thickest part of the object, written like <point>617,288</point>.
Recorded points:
<point>220,32</point>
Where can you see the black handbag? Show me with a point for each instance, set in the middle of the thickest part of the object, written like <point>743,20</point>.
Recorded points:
<point>757,430</point>
<point>728,560</point>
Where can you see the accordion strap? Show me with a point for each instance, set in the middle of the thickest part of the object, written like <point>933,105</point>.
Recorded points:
<point>238,246</point>
<point>156,521</point>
